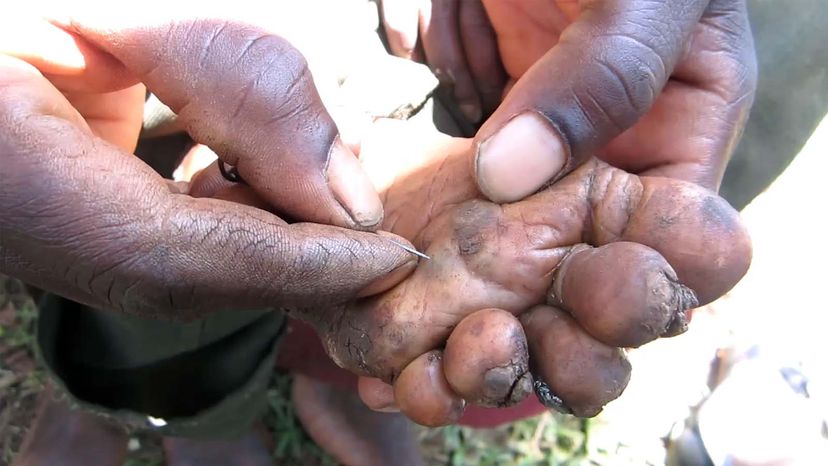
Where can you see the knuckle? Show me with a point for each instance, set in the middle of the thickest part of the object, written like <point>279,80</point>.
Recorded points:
<point>275,86</point>
<point>252,75</point>
<point>612,91</point>
<point>635,54</point>
<point>613,195</point>
<point>280,68</point>
<point>139,272</point>
<point>630,80</point>
<point>151,286</point>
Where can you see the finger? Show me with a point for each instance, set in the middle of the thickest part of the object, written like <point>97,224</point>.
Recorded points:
<point>102,228</point>
<point>197,158</point>
<point>243,195</point>
<point>699,234</point>
<point>112,116</point>
<point>209,181</point>
<point>97,84</point>
<point>71,63</point>
<point>481,52</point>
<point>401,20</point>
<point>627,309</point>
<point>248,94</point>
<point>377,395</point>
<point>424,395</point>
<point>601,77</point>
<point>486,360</point>
<point>713,86</point>
<point>582,374</point>
<point>445,55</point>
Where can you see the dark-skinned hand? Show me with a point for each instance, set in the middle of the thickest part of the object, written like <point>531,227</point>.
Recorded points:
<point>82,217</point>
<point>615,260</point>
<point>653,87</point>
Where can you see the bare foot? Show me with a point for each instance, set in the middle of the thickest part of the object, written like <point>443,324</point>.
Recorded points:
<point>615,259</point>
<point>251,449</point>
<point>619,258</point>
<point>343,426</point>
<point>61,436</point>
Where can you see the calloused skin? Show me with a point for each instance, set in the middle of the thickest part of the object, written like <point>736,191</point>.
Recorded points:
<point>631,253</point>
<point>618,258</point>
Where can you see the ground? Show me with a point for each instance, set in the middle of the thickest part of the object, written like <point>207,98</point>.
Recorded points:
<point>550,439</point>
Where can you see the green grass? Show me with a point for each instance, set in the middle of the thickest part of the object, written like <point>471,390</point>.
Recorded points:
<point>293,445</point>
<point>549,439</point>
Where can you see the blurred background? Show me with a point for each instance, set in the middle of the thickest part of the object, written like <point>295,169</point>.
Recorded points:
<point>746,385</point>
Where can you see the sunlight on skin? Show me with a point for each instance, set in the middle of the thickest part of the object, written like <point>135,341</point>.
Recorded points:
<point>48,47</point>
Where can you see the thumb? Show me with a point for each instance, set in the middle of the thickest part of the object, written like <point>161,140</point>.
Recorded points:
<point>598,80</point>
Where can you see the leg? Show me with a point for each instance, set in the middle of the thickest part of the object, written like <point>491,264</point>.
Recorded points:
<point>65,436</point>
<point>204,382</point>
<point>343,426</point>
<point>326,403</point>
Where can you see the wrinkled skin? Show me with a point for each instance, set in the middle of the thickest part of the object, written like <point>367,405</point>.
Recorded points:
<point>504,366</point>
<point>624,256</point>
<point>662,87</point>
<point>82,217</point>
<point>655,88</point>
<point>687,244</point>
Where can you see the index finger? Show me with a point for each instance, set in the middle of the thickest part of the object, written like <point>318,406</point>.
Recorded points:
<point>89,221</point>
<point>249,95</point>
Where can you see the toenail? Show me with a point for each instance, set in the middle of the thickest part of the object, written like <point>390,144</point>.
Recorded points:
<point>548,398</point>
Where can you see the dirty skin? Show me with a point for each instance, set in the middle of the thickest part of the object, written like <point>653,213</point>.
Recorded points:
<point>596,225</point>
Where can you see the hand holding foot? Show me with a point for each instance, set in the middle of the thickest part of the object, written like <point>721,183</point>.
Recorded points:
<point>619,258</point>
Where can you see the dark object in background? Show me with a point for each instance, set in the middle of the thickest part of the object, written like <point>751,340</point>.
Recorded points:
<point>792,96</point>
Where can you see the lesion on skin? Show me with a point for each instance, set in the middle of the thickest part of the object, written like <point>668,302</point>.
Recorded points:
<point>481,252</point>
<point>487,255</point>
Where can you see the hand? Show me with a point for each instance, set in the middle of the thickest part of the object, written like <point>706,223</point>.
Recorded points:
<point>656,88</point>
<point>455,38</point>
<point>655,246</point>
<point>84,218</point>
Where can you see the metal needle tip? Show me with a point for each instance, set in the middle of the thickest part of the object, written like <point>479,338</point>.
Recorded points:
<point>410,249</point>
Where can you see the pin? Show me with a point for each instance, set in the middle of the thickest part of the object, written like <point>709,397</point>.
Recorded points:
<point>409,249</point>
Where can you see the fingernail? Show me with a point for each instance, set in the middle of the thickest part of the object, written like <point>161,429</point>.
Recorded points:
<point>352,187</point>
<point>389,280</point>
<point>458,408</point>
<point>471,111</point>
<point>519,158</point>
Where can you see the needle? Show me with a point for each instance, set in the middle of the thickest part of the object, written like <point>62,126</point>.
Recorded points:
<point>410,249</point>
